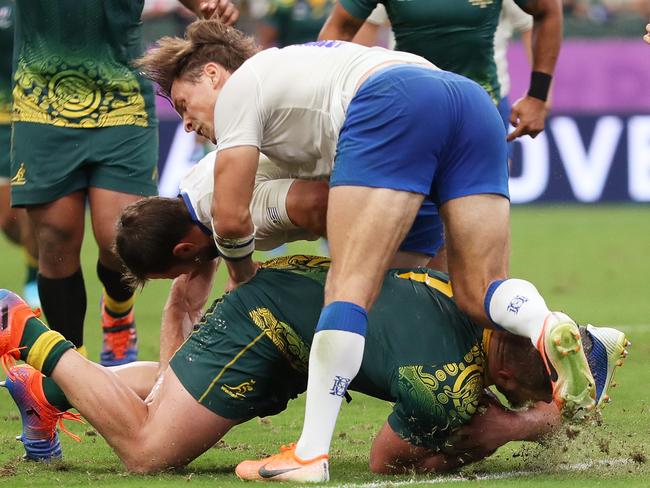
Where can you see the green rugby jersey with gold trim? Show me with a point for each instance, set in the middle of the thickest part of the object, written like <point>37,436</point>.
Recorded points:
<point>455,35</point>
<point>6,54</point>
<point>421,352</point>
<point>72,64</point>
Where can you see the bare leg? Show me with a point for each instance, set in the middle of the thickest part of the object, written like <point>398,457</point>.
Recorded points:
<point>139,376</point>
<point>477,237</point>
<point>365,228</point>
<point>171,431</point>
<point>105,208</point>
<point>59,229</point>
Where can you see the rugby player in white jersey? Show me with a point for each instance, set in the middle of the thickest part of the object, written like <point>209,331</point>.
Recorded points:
<point>395,130</point>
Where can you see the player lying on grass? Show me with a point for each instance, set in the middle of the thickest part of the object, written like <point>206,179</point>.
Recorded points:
<point>248,357</point>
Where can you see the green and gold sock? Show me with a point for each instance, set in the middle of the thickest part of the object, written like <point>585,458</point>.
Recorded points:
<point>54,395</point>
<point>42,347</point>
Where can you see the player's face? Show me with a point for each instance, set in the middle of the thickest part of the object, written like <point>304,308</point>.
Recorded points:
<point>194,101</point>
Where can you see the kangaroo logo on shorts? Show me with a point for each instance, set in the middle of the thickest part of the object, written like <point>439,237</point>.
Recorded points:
<point>19,179</point>
<point>238,392</point>
<point>516,303</point>
<point>340,386</point>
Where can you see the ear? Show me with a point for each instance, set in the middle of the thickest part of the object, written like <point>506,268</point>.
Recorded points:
<point>506,380</point>
<point>185,250</point>
<point>214,72</point>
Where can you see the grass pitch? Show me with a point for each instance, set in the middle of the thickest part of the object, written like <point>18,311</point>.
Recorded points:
<point>590,261</point>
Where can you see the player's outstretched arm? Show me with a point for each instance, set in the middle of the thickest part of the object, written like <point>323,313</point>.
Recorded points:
<point>487,431</point>
<point>646,38</point>
<point>184,307</point>
<point>495,426</point>
<point>340,25</point>
<point>529,113</point>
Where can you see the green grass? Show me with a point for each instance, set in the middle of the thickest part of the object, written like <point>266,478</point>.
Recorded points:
<point>590,261</point>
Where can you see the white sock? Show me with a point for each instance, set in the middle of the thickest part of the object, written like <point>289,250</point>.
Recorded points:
<point>334,361</point>
<point>517,306</point>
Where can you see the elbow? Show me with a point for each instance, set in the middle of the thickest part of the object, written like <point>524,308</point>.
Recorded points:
<point>232,222</point>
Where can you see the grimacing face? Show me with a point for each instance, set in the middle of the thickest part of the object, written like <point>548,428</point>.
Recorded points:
<point>194,101</point>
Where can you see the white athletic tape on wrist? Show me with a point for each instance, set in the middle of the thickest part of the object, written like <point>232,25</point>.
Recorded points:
<point>236,247</point>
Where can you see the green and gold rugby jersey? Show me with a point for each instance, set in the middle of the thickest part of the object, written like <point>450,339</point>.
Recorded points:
<point>249,355</point>
<point>6,54</point>
<point>298,21</point>
<point>455,35</point>
<point>72,64</point>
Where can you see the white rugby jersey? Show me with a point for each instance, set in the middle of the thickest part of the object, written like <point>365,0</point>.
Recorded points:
<point>291,102</point>
<point>268,206</point>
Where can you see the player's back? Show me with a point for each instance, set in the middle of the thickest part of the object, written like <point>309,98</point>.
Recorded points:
<point>291,102</point>
<point>414,320</point>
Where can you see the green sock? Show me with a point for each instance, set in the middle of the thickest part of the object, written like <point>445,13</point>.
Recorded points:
<point>41,347</point>
<point>54,395</point>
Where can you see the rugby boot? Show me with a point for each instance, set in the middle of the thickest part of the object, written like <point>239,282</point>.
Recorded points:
<point>39,418</point>
<point>14,313</point>
<point>285,466</point>
<point>120,340</point>
<point>560,346</point>
<point>30,292</point>
<point>606,348</point>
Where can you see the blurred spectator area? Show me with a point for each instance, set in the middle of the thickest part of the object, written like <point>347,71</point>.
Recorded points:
<point>582,18</point>
<point>605,18</point>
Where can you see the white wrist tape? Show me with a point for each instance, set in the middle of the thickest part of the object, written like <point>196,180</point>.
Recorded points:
<point>235,248</point>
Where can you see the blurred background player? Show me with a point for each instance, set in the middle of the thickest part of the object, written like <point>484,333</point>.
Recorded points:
<point>85,130</point>
<point>458,37</point>
<point>512,19</point>
<point>13,222</point>
<point>292,22</point>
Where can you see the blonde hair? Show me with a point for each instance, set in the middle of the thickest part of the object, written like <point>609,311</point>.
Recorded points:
<point>205,41</point>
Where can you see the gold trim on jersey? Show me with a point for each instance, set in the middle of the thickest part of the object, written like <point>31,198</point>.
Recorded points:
<point>288,342</point>
<point>89,95</point>
<point>432,282</point>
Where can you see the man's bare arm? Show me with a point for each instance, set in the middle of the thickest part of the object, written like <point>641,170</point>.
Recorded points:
<point>340,25</point>
<point>529,112</point>
<point>487,431</point>
<point>184,307</point>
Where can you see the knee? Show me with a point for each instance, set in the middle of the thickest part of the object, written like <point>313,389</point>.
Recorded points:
<point>143,461</point>
<point>378,466</point>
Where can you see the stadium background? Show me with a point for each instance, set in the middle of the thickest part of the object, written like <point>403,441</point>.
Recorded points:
<point>591,259</point>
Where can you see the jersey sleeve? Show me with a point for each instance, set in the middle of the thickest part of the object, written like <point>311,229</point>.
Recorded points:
<point>196,189</point>
<point>359,8</point>
<point>520,20</point>
<point>378,16</point>
<point>238,113</point>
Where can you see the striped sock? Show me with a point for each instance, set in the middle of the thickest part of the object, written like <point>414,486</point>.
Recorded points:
<point>116,308</point>
<point>42,347</point>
